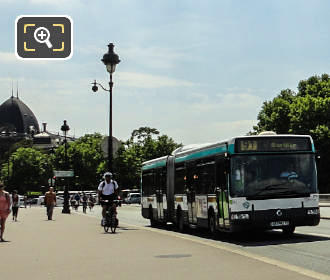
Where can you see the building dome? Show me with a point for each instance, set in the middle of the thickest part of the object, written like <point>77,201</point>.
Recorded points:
<point>16,117</point>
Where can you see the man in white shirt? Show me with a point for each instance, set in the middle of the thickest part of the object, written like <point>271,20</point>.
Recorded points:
<point>107,191</point>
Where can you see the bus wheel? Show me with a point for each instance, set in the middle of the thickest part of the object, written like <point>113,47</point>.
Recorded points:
<point>153,222</point>
<point>179,221</point>
<point>212,224</point>
<point>288,230</point>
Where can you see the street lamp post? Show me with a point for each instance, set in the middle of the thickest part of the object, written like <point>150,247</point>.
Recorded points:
<point>66,208</point>
<point>8,169</point>
<point>110,60</point>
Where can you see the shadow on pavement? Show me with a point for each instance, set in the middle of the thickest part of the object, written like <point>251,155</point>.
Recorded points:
<point>250,239</point>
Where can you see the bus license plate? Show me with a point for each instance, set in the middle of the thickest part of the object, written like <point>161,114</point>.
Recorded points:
<point>279,223</point>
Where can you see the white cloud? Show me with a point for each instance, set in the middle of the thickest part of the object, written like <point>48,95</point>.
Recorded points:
<point>7,57</point>
<point>10,58</point>
<point>152,57</point>
<point>58,3</point>
<point>140,80</point>
<point>155,57</point>
<point>239,100</point>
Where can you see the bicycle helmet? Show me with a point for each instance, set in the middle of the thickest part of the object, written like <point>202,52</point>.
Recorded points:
<point>107,174</point>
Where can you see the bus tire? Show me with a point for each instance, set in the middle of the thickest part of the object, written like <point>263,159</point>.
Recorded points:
<point>179,221</point>
<point>212,224</point>
<point>288,231</point>
<point>153,222</point>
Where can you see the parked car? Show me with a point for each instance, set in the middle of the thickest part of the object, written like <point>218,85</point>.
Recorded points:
<point>59,201</point>
<point>124,194</point>
<point>41,200</point>
<point>33,200</point>
<point>133,198</point>
<point>21,200</point>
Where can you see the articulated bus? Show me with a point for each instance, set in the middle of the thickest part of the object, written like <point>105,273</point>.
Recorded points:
<point>261,182</point>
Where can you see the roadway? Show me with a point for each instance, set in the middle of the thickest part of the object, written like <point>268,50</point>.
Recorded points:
<point>76,247</point>
<point>308,248</point>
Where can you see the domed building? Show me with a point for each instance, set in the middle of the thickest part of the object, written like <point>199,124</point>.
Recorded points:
<point>17,122</point>
<point>16,119</point>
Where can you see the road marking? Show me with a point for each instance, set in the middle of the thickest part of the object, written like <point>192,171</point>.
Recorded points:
<point>313,234</point>
<point>286,266</point>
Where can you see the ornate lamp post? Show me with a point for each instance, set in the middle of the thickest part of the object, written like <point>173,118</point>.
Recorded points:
<point>110,60</point>
<point>66,208</point>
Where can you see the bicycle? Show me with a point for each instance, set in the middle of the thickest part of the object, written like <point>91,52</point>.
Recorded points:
<point>111,220</point>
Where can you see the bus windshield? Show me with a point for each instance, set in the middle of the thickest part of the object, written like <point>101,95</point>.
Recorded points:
<point>273,176</point>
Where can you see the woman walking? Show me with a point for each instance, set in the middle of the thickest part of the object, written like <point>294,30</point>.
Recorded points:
<point>15,200</point>
<point>4,209</point>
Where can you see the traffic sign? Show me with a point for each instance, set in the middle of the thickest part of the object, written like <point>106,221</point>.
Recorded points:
<point>63,173</point>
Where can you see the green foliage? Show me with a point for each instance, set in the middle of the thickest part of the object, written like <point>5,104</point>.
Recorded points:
<point>28,169</point>
<point>143,145</point>
<point>305,112</point>
<point>85,158</point>
<point>274,114</point>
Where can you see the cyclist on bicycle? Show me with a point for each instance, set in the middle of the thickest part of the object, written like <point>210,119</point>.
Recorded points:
<point>107,190</point>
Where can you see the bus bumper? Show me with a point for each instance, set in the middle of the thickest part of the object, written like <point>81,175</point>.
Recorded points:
<point>274,219</point>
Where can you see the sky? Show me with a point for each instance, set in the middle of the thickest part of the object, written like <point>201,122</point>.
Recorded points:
<point>198,71</point>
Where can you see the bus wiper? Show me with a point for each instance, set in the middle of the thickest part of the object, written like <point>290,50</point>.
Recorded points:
<point>270,187</point>
<point>280,191</point>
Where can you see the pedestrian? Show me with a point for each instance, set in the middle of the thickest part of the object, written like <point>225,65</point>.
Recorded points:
<point>72,201</point>
<point>77,198</point>
<point>5,204</point>
<point>84,200</point>
<point>16,201</point>
<point>50,201</point>
<point>25,201</point>
<point>91,202</point>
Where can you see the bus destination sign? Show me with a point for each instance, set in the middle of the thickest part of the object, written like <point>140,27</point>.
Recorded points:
<point>269,144</point>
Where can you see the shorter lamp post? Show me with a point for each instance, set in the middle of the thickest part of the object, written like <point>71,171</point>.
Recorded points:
<point>66,208</point>
<point>8,169</point>
<point>110,60</point>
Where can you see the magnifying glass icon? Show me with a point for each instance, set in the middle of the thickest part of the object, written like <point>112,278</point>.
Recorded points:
<point>41,35</point>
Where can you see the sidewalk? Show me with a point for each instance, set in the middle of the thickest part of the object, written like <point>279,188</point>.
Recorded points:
<point>325,210</point>
<point>75,247</point>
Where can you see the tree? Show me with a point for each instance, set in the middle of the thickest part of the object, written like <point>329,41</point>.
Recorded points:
<point>85,158</point>
<point>29,169</point>
<point>304,112</point>
<point>143,145</point>
<point>274,114</point>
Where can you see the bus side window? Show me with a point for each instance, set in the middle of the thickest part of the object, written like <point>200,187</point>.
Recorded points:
<point>180,179</point>
<point>147,178</point>
<point>221,174</point>
<point>206,177</point>
<point>161,179</point>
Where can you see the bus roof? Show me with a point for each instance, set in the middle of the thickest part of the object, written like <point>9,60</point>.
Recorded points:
<point>194,151</point>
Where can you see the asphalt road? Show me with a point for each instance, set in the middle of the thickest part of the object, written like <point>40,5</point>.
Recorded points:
<point>308,248</point>
<point>76,247</point>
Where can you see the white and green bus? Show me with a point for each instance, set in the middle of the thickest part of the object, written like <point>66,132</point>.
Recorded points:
<point>262,182</point>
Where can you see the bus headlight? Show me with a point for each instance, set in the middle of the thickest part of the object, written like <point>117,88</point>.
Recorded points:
<point>240,216</point>
<point>313,211</point>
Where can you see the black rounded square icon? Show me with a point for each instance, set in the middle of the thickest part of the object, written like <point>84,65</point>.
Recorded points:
<point>43,37</point>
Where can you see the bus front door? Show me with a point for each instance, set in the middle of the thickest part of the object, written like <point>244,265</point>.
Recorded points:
<point>222,193</point>
<point>191,200</point>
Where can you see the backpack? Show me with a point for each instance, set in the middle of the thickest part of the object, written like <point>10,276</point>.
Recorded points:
<point>114,185</point>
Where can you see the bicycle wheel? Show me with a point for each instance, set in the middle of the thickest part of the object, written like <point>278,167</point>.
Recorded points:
<point>113,224</point>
